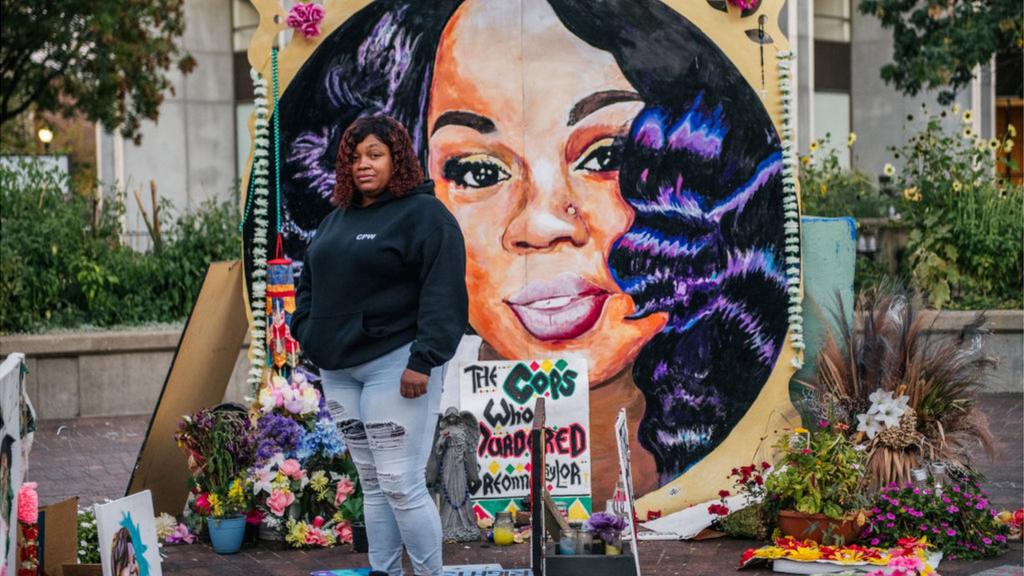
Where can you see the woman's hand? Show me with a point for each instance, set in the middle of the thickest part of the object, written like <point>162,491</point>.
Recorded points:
<point>414,384</point>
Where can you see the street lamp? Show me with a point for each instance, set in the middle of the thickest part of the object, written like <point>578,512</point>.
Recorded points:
<point>45,136</point>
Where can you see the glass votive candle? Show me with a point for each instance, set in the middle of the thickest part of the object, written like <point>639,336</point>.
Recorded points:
<point>567,542</point>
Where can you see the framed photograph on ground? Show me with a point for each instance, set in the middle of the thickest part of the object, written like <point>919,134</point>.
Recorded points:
<point>127,536</point>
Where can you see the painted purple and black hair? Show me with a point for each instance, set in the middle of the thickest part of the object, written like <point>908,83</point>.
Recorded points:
<point>702,170</point>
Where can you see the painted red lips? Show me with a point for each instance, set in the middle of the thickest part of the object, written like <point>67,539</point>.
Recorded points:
<point>558,309</point>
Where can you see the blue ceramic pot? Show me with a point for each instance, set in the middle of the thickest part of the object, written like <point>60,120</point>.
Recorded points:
<point>226,534</point>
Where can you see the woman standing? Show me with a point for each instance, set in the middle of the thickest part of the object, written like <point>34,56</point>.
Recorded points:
<point>381,306</point>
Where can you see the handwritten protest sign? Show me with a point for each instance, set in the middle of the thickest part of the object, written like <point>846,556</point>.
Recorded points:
<point>501,395</point>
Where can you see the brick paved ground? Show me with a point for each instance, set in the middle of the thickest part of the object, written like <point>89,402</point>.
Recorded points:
<point>92,458</point>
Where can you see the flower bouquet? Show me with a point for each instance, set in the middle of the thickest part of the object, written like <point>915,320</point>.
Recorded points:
<point>817,487</point>
<point>912,399</point>
<point>295,396</point>
<point>750,521</point>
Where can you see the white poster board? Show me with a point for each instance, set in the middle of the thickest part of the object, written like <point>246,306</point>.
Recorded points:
<point>16,430</point>
<point>127,536</point>
<point>501,394</point>
<point>626,473</point>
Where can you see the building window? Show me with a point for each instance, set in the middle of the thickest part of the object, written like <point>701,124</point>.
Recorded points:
<point>832,20</point>
<point>832,118</point>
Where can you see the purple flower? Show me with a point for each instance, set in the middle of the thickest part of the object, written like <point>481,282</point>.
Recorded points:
<point>952,509</point>
<point>917,490</point>
<point>946,500</point>
<point>875,541</point>
<point>875,510</point>
<point>935,530</point>
<point>980,505</point>
<point>950,532</point>
<point>276,433</point>
<point>890,516</point>
<point>923,527</point>
<point>986,540</point>
<point>890,525</point>
<point>823,423</point>
<point>1000,538</point>
<point>956,488</point>
<point>606,526</point>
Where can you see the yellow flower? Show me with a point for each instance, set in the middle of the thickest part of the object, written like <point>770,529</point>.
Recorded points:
<point>1011,130</point>
<point>814,146</point>
<point>806,553</point>
<point>889,170</point>
<point>912,194</point>
<point>967,117</point>
<point>848,556</point>
<point>805,160</point>
<point>955,110</point>
<point>770,552</point>
<point>1008,146</point>
<point>216,506</point>
<point>801,430</point>
<point>851,139</point>
<point>237,491</point>
<point>296,535</point>
<point>979,143</point>
<point>968,133</point>
<point>957,186</point>
<point>824,189</point>
<point>993,144</point>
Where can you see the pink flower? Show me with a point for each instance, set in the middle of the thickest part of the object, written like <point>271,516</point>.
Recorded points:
<point>28,503</point>
<point>316,537</point>
<point>279,501</point>
<point>306,18</point>
<point>292,469</point>
<point>181,535</point>
<point>345,489</point>
<point>318,522</point>
<point>744,4</point>
<point>807,451</point>
<point>343,531</point>
<point>203,504</point>
<point>254,516</point>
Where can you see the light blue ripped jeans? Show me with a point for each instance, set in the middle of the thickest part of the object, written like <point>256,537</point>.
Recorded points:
<point>390,438</point>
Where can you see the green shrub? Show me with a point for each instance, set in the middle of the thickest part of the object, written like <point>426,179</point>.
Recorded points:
<point>59,269</point>
<point>966,223</point>
<point>829,189</point>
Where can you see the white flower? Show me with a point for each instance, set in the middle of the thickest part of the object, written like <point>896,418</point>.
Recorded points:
<point>165,525</point>
<point>868,424</point>
<point>888,415</point>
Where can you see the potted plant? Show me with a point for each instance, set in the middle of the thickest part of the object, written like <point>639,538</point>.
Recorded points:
<point>817,485</point>
<point>220,446</point>
<point>228,510</point>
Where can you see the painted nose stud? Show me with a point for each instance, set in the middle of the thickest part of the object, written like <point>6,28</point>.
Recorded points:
<point>571,210</point>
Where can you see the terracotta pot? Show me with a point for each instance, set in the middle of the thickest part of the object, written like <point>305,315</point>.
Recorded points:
<point>816,526</point>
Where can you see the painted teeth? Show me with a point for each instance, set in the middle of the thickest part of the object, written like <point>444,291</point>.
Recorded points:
<point>549,303</point>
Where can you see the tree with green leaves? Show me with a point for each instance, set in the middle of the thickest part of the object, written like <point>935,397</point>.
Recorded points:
<point>937,44</point>
<point>108,60</point>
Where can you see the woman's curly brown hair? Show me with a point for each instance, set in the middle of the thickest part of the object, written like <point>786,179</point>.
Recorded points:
<point>407,173</point>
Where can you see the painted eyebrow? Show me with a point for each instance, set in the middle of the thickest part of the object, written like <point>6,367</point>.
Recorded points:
<point>481,124</point>
<point>594,102</point>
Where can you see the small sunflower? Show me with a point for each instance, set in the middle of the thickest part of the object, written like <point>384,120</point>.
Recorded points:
<point>955,109</point>
<point>805,160</point>
<point>814,146</point>
<point>851,139</point>
<point>967,117</point>
<point>993,144</point>
<point>968,133</point>
<point>1008,146</point>
<point>1011,130</point>
<point>889,170</point>
<point>912,194</point>
<point>957,186</point>
<point>980,144</point>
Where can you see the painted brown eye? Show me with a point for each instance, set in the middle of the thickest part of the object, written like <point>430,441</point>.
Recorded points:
<point>605,155</point>
<point>477,171</point>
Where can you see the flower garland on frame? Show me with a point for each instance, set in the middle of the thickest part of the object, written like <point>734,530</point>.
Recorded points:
<point>259,191</point>
<point>791,207</point>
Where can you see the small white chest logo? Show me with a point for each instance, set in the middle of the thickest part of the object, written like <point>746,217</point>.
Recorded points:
<point>365,236</point>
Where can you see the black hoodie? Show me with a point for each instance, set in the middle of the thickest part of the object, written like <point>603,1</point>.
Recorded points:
<point>378,277</point>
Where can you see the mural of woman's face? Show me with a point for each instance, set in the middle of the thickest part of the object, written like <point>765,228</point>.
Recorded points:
<point>526,123</point>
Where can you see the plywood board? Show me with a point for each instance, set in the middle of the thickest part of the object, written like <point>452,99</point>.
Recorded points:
<point>197,378</point>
